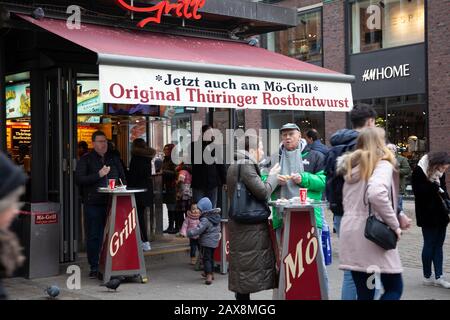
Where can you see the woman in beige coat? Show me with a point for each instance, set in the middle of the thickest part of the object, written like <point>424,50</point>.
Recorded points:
<point>370,177</point>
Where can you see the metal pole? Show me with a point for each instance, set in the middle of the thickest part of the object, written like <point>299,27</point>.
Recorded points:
<point>131,61</point>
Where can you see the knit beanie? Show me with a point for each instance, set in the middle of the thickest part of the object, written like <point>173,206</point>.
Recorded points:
<point>11,176</point>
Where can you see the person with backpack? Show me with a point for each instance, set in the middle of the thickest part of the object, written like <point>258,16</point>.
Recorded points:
<point>362,116</point>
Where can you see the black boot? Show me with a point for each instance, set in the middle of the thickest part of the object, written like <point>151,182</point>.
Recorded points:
<point>170,228</point>
<point>172,216</point>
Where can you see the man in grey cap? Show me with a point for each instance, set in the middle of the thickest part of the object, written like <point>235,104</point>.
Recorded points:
<point>301,167</point>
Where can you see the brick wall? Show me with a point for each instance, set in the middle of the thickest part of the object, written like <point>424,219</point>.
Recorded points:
<point>334,55</point>
<point>439,77</point>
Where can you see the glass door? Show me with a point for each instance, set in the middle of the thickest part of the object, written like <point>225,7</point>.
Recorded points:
<point>61,159</point>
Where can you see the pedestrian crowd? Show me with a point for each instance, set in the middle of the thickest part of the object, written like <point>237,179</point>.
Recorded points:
<point>361,176</point>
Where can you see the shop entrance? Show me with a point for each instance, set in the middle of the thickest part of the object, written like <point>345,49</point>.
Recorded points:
<point>61,160</point>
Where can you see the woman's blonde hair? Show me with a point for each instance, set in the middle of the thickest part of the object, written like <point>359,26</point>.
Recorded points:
<point>370,148</point>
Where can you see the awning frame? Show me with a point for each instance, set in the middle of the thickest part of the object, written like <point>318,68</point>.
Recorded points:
<point>131,61</point>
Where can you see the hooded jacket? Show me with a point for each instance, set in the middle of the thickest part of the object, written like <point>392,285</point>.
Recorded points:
<point>319,146</point>
<point>190,222</point>
<point>208,229</point>
<point>344,136</point>
<point>356,253</point>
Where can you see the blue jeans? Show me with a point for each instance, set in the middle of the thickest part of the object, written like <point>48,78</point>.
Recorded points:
<point>392,283</point>
<point>95,223</point>
<point>211,194</point>
<point>194,244</point>
<point>325,272</point>
<point>348,285</point>
<point>433,240</point>
<point>400,202</point>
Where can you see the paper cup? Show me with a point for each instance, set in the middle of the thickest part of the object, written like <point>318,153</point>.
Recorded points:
<point>112,184</point>
<point>303,192</point>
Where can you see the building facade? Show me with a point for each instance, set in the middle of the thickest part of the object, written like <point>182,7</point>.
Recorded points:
<point>395,50</point>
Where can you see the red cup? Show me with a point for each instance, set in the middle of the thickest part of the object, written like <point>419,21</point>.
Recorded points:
<point>303,192</point>
<point>112,184</point>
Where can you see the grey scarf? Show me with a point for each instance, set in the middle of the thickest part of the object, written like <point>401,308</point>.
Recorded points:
<point>291,162</point>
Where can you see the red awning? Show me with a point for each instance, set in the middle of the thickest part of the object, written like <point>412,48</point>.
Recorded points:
<point>157,68</point>
<point>144,44</point>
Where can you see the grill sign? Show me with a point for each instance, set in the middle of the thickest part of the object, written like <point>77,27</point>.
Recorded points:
<point>46,218</point>
<point>187,9</point>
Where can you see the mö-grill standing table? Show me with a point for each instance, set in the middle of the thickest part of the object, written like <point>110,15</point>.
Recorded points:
<point>121,253</point>
<point>298,257</point>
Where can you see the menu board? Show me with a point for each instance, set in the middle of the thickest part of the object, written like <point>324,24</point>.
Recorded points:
<point>18,133</point>
<point>8,138</point>
<point>18,103</point>
<point>88,97</point>
<point>84,132</point>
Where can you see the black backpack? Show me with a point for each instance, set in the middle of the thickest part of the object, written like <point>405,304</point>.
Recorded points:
<point>335,183</point>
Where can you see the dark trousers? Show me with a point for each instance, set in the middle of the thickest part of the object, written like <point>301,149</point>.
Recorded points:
<point>392,284</point>
<point>433,241</point>
<point>179,219</point>
<point>194,246</point>
<point>95,217</point>
<point>142,224</point>
<point>208,259</point>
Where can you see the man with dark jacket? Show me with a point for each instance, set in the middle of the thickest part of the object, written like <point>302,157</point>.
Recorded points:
<point>93,171</point>
<point>312,138</point>
<point>207,179</point>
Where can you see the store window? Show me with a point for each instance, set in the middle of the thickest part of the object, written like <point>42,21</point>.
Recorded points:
<point>303,42</point>
<point>385,24</point>
<point>18,119</point>
<point>405,120</point>
<point>304,119</point>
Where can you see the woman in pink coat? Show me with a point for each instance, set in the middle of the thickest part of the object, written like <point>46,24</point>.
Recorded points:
<point>370,176</point>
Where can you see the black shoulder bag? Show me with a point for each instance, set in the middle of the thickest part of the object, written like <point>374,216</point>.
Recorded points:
<point>445,203</point>
<point>379,232</point>
<point>244,207</point>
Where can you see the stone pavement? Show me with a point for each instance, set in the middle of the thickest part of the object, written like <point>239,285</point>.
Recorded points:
<point>171,277</point>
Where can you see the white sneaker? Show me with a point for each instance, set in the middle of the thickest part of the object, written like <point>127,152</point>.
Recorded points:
<point>146,246</point>
<point>428,281</point>
<point>442,283</point>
